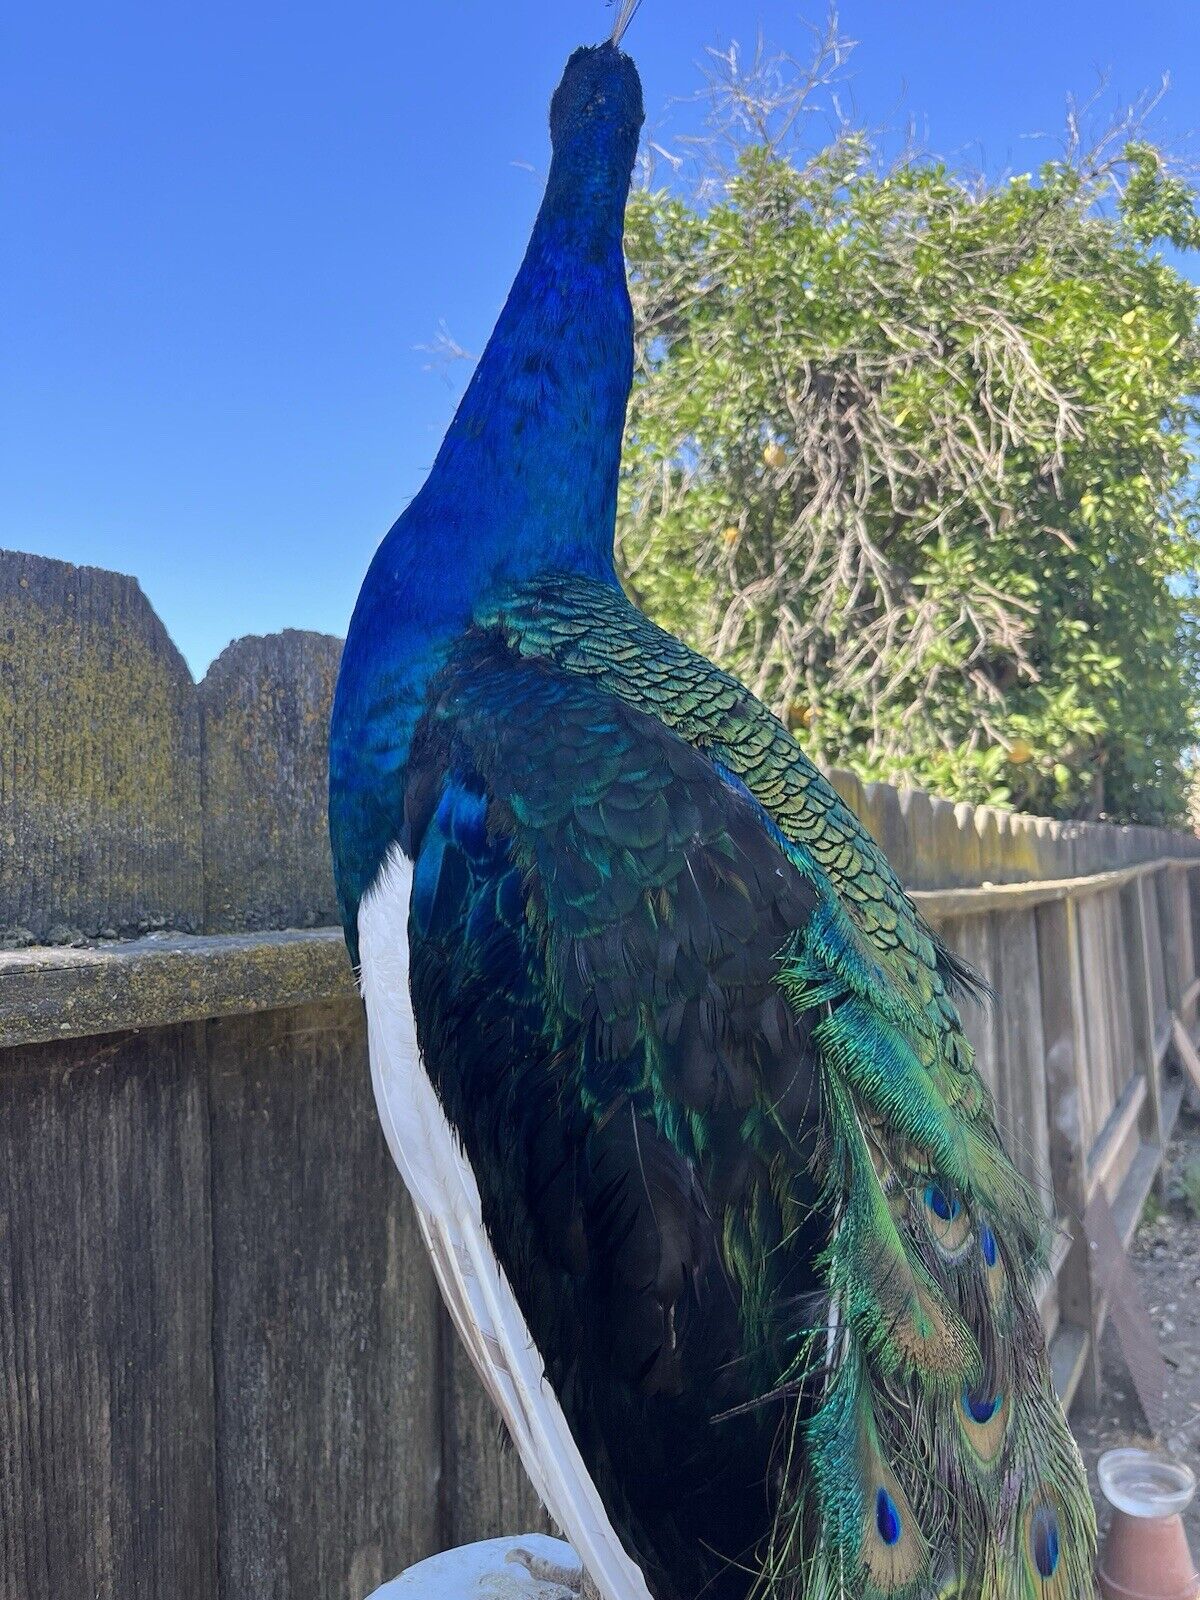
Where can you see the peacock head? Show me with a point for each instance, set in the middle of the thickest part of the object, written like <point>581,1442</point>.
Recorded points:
<point>595,118</point>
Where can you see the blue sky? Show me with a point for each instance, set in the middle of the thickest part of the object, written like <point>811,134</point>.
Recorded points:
<point>229,226</point>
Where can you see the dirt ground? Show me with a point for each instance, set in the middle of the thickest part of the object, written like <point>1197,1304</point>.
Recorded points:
<point>1166,1258</point>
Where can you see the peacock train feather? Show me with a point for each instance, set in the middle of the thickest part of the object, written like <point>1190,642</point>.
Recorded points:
<point>671,1064</point>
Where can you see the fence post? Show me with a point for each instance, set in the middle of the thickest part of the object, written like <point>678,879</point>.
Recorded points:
<point>1179,879</point>
<point>1061,987</point>
<point>1142,1007</point>
<point>1165,909</point>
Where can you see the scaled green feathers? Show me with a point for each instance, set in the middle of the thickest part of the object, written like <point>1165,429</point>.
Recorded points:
<point>927,1455</point>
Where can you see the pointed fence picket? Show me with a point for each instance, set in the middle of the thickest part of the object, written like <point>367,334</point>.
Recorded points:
<point>224,1369</point>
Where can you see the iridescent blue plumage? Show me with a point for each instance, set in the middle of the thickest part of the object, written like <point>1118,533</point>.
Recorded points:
<point>987,1243</point>
<point>887,1518</point>
<point>526,478</point>
<point>699,1050</point>
<point>981,1405</point>
<point>1045,1542</point>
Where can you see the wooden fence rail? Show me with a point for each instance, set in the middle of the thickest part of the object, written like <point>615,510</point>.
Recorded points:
<point>224,1369</point>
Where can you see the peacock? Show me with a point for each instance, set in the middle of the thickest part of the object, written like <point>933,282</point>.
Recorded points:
<point>672,1067</point>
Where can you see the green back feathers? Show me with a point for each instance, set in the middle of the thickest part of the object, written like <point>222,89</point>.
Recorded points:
<point>929,1456</point>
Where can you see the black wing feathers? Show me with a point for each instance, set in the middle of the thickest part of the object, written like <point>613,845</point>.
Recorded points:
<point>596,929</point>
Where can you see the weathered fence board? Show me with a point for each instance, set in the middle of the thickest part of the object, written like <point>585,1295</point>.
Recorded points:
<point>1021,1054</point>
<point>487,1492</point>
<point>1180,918</point>
<point>1060,993</point>
<point>99,758</point>
<point>325,1318</point>
<point>1148,894</point>
<point>265,707</point>
<point>1169,936</point>
<point>107,1468</point>
<point>225,1370</point>
<point>1097,1040</point>
<point>148,983</point>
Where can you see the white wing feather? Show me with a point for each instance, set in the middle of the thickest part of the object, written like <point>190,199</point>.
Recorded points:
<point>481,1303</point>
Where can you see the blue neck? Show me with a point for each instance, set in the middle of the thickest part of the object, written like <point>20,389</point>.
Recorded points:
<point>526,478</point>
<point>525,482</point>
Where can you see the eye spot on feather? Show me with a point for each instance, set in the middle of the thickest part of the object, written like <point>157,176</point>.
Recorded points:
<point>944,1206</point>
<point>979,1406</point>
<point>985,1422</point>
<point>1044,1541</point>
<point>887,1518</point>
<point>947,1219</point>
<point>987,1243</point>
<point>996,1278</point>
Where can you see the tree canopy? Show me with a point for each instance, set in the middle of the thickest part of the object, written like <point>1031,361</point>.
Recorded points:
<point>914,454</point>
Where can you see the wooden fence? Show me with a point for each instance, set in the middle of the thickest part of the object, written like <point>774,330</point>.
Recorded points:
<point>224,1370</point>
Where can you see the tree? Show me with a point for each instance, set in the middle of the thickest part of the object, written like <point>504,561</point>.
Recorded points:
<point>913,453</point>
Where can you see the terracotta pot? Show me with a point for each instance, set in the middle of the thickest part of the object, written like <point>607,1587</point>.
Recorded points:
<point>1146,1555</point>
<point>1147,1558</point>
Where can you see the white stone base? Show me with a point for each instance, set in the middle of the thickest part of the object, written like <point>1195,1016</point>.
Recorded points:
<point>492,1570</point>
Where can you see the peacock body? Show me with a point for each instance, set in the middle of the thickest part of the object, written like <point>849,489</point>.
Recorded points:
<point>670,1063</point>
